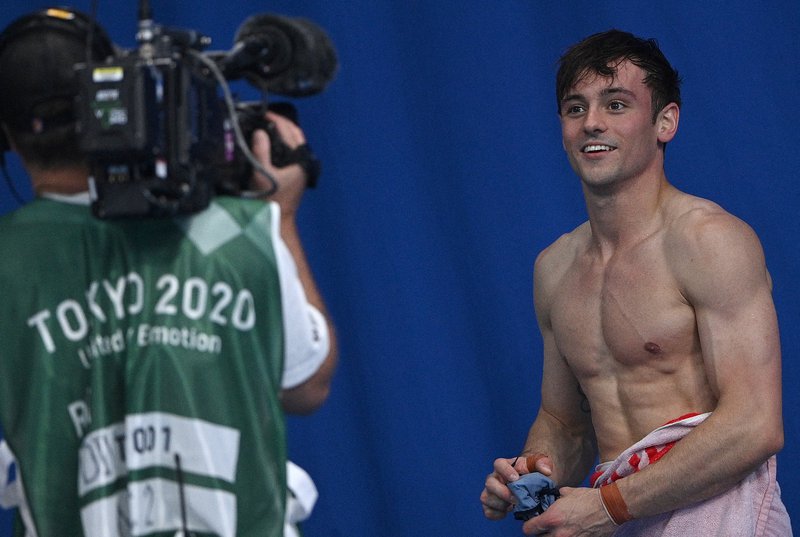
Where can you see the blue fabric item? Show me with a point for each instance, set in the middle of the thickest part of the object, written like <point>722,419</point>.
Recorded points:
<point>535,493</point>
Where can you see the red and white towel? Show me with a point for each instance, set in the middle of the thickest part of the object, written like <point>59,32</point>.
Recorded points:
<point>751,509</point>
<point>647,451</point>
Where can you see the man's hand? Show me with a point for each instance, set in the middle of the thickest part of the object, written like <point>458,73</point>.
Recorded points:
<point>497,500</point>
<point>291,179</point>
<point>578,512</point>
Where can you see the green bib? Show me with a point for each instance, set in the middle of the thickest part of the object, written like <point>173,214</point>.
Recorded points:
<point>141,369</point>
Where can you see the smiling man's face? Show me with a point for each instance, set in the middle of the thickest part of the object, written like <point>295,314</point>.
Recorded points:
<point>608,130</point>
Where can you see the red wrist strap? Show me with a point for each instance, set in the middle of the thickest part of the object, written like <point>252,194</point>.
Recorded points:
<point>530,460</point>
<point>615,506</point>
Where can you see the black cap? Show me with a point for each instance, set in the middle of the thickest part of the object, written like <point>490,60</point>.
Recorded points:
<point>38,53</point>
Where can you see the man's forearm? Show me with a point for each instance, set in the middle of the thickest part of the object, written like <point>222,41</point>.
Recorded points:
<point>708,461</point>
<point>571,449</point>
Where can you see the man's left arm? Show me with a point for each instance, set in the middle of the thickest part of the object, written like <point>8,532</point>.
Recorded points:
<point>724,277</point>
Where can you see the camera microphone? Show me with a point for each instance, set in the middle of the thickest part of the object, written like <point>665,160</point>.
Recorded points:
<point>285,55</point>
<point>255,55</point>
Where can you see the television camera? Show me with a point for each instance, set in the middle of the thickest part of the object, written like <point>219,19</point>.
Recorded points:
<point>162,130</point>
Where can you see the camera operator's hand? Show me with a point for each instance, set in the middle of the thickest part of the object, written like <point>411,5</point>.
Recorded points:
<point>291,179</point>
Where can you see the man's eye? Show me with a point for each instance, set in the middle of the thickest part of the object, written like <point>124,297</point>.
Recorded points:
<point>616,105</point>
<point>574,109</point>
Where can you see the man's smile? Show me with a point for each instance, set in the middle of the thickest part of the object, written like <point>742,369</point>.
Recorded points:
<point>597,148</point>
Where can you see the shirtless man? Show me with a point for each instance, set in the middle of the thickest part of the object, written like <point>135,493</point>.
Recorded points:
<point>659,306</point>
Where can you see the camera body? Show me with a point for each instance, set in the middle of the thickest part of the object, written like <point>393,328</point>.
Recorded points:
<point>153,130</point>
<point>160,138</point>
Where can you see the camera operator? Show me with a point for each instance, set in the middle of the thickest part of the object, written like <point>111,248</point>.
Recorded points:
<point>147,363</point>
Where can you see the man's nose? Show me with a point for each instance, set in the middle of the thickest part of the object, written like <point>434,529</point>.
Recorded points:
<point>594,120</point>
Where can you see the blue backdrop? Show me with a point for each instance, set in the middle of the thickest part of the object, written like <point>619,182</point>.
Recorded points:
<point>443,177</point>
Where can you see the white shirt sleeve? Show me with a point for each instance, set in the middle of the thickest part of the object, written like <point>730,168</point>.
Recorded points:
<point>301,498</point>
<point>9,490</point>
<point>307,341</point>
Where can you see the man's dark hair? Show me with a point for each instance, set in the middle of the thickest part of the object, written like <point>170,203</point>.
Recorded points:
<point>602,53</point>
<point>38,86</point>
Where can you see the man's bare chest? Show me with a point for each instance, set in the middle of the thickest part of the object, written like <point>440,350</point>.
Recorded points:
<point>629,312</point>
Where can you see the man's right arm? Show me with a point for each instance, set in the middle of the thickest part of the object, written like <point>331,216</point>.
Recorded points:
<point>562,429</point>
<point>309,395</point>
<point>306,396</point>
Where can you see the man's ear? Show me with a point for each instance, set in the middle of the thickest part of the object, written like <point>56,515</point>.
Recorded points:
<point>667,122</point>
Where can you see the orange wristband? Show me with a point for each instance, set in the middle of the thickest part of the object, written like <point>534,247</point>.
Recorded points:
<point>530,461</point>
<point>615,506</point>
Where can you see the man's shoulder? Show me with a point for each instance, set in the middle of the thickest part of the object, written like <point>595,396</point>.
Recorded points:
<point>43,211</point>
<point>697,223</point>
<point>241,208</point>
<point>554,262</point>
<point>564,248</point>
<point>686,209</point>
<point>703,242</point>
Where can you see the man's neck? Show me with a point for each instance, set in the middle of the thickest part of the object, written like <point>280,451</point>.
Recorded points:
<point>627,214</point>
<point>60,181</point>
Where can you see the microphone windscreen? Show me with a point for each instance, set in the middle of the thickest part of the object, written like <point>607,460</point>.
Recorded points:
<point>305,61</point>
